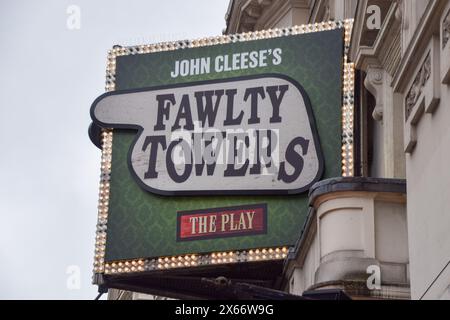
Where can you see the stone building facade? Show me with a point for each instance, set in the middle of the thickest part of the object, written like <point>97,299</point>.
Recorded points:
<point>401,51</point>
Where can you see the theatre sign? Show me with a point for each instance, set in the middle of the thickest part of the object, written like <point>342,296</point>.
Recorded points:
<point>255,134</point>
<point>209,146</point>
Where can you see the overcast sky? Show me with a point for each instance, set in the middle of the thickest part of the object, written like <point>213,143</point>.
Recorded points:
<point>49,170</point>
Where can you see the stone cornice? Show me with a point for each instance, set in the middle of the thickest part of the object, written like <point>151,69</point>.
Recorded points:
<point>318,10</point>
<point>357,29</point>
<point>356,184</point>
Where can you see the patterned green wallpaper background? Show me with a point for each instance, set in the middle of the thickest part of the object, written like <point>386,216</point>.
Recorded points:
<point>142,224</point>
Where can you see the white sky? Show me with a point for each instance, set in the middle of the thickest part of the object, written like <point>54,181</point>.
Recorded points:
<point>49,170</point>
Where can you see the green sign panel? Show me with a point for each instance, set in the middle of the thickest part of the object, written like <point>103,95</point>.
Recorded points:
<point>261,122</point>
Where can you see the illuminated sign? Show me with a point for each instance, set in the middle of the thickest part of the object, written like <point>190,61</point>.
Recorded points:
<point>209,146</point>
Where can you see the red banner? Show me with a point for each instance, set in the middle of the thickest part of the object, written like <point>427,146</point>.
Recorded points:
<point>222,222</point>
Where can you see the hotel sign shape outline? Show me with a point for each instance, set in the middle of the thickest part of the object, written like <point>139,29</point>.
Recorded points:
<point>274,109</point>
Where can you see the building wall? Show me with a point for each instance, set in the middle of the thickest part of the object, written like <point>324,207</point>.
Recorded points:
<point>390,59</point>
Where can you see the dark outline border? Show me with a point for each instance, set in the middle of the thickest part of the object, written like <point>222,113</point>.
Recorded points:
<point>309,111</point>
<point>227,235</point>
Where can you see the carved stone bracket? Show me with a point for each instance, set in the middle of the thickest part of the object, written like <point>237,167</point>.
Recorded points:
<point>446,29</point>
<point>374,84</point>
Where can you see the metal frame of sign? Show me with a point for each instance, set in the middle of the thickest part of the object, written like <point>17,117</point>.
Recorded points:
<point>216,258</point>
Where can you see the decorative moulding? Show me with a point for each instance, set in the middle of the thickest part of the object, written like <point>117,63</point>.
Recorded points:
<point>423,92</point>
<point>445,48</point>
